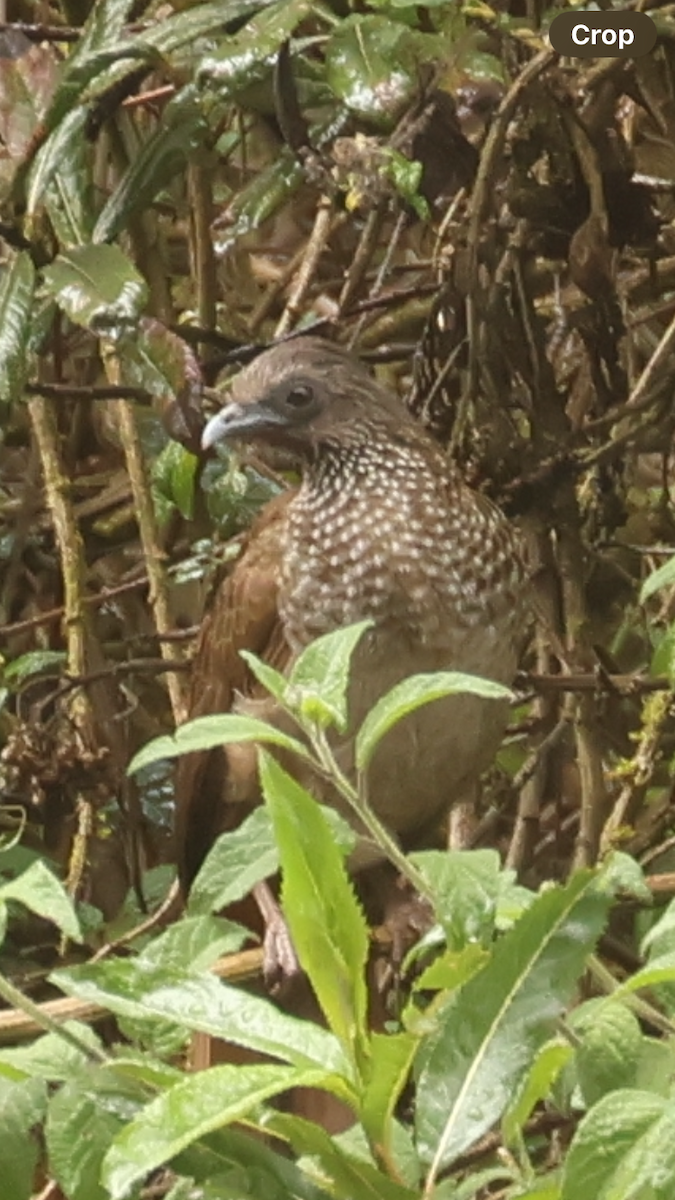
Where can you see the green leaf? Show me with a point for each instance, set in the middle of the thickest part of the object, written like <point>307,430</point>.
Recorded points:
<point>41,892</point>
<point>327,925</point>
<point>235,864</point>
<point>663,577</point>
<point>17,285</point>
<point>189,1110</point>
<point>465,885</point>
<point>249,55</point>
<point>536,1087</point>
<point>157,359</point>
<point>488,1033</point>
<point>174,475</point>
<point>194,943</point>
<point>624,1148</point>
<point>611,1048</point>
<point>33,663</point>
<point>372,65</point>
<point>163,155</point>
<point>22,1106</point>
<point>204,733</point>
<point>97,287</point>
<point>139,989</point>
<point>61,148</point>
<point>321,675</point>
<point>83,1117</point>
<point>354,1178</point>
<point>51,1057</point>
<point>390,1065</point>
<point>411,694</point>
<point>274,682</point>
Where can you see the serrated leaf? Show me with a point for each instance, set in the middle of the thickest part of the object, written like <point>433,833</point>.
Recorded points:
<point>410,695</point>
<point>321,673</point>
<point>488,1033</point>
<point>623,1148</point>
<point>236,862</point>
<point>202,1002</point>
<point>17,285</point>
<point>327,925</point>
<point>97,287</point>
<point>189,1110</point>
<point>204,733</point>
<point>41,892</point>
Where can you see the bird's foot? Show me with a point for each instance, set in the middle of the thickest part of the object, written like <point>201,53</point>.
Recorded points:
<point>280,962</point>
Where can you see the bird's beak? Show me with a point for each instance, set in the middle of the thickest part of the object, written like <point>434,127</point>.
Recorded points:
<point>242,422</point>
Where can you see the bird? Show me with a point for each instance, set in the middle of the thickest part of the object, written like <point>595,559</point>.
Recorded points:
<point>383,528</point>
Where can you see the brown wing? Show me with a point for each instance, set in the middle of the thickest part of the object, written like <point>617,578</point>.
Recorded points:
<point>243,615</point>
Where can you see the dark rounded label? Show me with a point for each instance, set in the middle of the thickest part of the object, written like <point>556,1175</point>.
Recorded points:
<point>586,33</point>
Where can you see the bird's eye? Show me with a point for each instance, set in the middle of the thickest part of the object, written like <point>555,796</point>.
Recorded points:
<point>300,397</point>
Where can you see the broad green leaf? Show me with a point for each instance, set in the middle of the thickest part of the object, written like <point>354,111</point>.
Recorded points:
<point>41,892</point>
<point>17,284</point>
<point>163,155</point>
<point>194,943</point>
<point>611,1048</point>
<point>235,864</point>
<point>257,1168</point>
<point>22,1106</point>
<point>372,65</point>
<point>51,1057</point>
<point>249,55</point>
<point>174,475</point>
<point>33,663</point>
<point>663,577</point>
<point>411,694</point>
<point>204,733</point>
<point>354,1178</point>
<point>476,1182</point>
<point>326,922</point>
<point>321,675</point>
<point>140,989</point>
<point>624,1148</point>
<point>97,286</point>
<point>189,1110</point>
<point>83,1118</point>
<point>488,1033</point>
<point>465,885</point>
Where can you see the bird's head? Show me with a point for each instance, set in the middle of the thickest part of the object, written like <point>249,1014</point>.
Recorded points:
<point>303,395</point>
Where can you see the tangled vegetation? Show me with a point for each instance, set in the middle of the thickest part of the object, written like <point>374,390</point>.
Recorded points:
<point>492,228</point>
